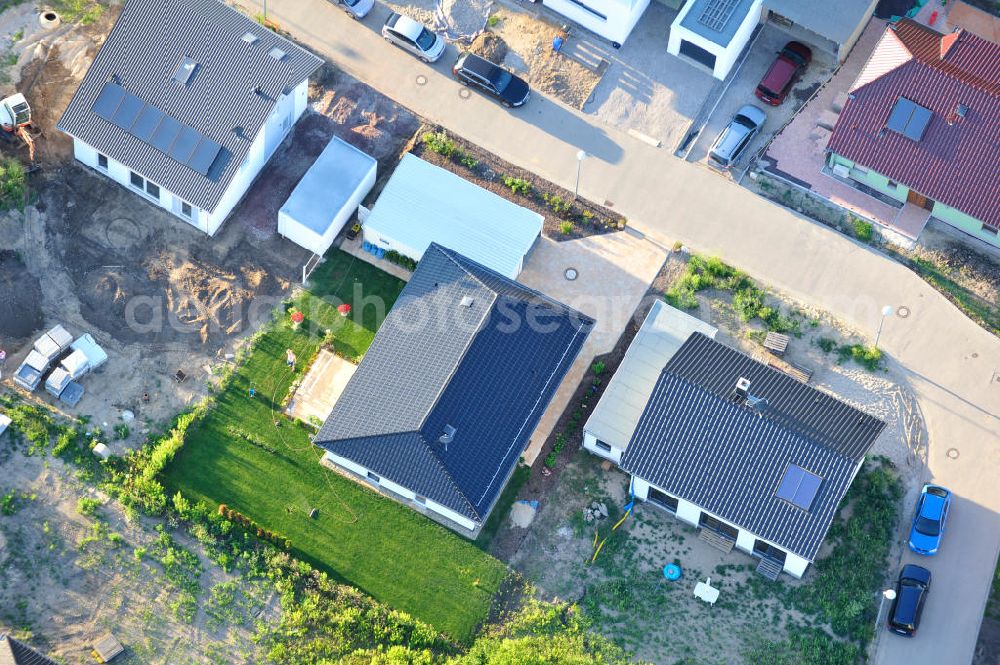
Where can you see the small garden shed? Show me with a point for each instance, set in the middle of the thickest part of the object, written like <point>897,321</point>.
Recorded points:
<point>327,196</point>
<point>423,203</point>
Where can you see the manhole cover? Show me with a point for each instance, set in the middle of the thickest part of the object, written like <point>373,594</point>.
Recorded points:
<point>903,311</point>
<point>464,93</point>
<point>952,453</point>
<point>421,79</point>
<point>571,274</point>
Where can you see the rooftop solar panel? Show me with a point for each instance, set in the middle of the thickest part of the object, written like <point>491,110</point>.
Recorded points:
<point>204,154</point>
<point>165,134</point>
<point>717,13</point>
<point>146,124</point>
<point>799,486</point>
<point>909,119</point>
<point>150,125</point>
<point>107,102</point>
<point>184,145</point>
<point>128,111</point>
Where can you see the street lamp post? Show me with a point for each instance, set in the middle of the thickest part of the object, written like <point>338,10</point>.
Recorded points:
<point>887,594</point>
<point>886,311</point>
<point>580,156</point>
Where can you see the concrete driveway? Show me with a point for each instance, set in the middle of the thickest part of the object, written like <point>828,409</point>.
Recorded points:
<point>612,274</point>
<point>952,365</point>
<point>762,52</point>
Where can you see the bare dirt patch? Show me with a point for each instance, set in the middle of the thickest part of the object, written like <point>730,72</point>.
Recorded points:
<point>68,578</point>
<point>20,300</point>
<point>528,38</point>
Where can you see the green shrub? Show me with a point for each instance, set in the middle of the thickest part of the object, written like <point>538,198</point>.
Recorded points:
<point>517,185</point>
<point>863,230</point>
<point>557,204</point>
<point>82,11</point>
<point>550,460</point>
<point>121,431</point>
<point>8,503</point>
<point>468,161</point>
<point>566,228</point>
<point>440,143</point>
<point>493,20</point>
<point>87,507</point>
<point>748,303</point>
<point>392,256</point>
<point>598,368</point>
<point>826,344</point>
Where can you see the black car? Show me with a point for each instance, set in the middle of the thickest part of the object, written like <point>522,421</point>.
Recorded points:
<point>492,79</point>
<point>911,593</point>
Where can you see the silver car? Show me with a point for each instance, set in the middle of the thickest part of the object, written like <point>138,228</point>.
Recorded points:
<point>735,138</point>
<point>411,36</point>
<point>356,8</point>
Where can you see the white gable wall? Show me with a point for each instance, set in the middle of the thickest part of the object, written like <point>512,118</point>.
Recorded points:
<point>286,111</point>
<point>795,565</point>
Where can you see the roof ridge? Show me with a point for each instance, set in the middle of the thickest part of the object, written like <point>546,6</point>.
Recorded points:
<point>738,408</point>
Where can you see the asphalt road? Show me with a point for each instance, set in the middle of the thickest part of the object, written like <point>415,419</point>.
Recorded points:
<point>951,364</point>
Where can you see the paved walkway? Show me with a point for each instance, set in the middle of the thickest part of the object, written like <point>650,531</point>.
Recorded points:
<point>951,363</point>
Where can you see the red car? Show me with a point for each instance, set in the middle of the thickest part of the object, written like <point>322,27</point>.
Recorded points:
<point>784,70</point>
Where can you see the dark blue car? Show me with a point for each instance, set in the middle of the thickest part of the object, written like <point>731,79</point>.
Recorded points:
<point>911,593</point>
<point>929,519</point>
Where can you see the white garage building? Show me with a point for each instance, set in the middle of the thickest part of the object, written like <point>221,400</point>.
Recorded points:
<point>712,33</point>
<point>327,196</point>
<point>423,203</point>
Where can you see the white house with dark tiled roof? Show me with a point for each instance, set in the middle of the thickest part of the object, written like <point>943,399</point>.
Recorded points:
<point>185,103</point>
<point>753,458</point>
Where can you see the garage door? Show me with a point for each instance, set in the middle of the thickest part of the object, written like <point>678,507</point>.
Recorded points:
<point>698,54</point>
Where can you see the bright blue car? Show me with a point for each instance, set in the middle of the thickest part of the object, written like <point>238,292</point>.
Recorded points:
<point>929,519</point>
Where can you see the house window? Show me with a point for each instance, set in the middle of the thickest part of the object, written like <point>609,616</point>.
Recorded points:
<point>892,184</point>
<point>372,477</point>
<point>989,230</point>
<point>422,500</point>
<point>136,180</point>
<point>185,208</point>
<point>603,446</point>
<point>286,122</point>
<point>662,499</point>
<point>102,161</point>
<point>153,190</point>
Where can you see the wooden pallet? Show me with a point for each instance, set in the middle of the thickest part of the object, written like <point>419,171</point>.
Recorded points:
<point>770,568</point>
<point>776,343</point>
<point>716,540</point>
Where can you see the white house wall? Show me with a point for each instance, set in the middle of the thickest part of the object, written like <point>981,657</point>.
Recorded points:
<point>271,135</point>
<point>725,56</point>
<point>691,514</point>
<point>402,491</point>
<point>264,144</point>
<point>590,443</point>
<point>611,19</point>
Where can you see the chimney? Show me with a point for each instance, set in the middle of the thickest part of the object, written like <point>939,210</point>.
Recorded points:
<point>742,389</point>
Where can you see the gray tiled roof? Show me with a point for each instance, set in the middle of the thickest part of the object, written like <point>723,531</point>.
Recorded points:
<point>697,443</point>
<point>437,362</point>
<point>13,652</point>
<point>142,52</point>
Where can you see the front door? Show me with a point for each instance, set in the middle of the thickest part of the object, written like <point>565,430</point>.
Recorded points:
<point>763,549</point>
<point>919,200</point>
<point>706,521</point>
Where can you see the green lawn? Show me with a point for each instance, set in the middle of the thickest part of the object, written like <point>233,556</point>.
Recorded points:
<point>385,549</point>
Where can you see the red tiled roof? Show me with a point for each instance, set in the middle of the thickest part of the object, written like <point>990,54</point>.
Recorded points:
<point>957,161</point>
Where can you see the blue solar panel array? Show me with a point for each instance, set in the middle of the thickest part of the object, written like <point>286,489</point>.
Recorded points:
<point>909,119</point>
<point>153,127</point>
<point>799,486</point>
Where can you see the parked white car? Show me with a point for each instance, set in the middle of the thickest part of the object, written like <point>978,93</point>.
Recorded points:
<point>357,9</point>
<point>411,36</point>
